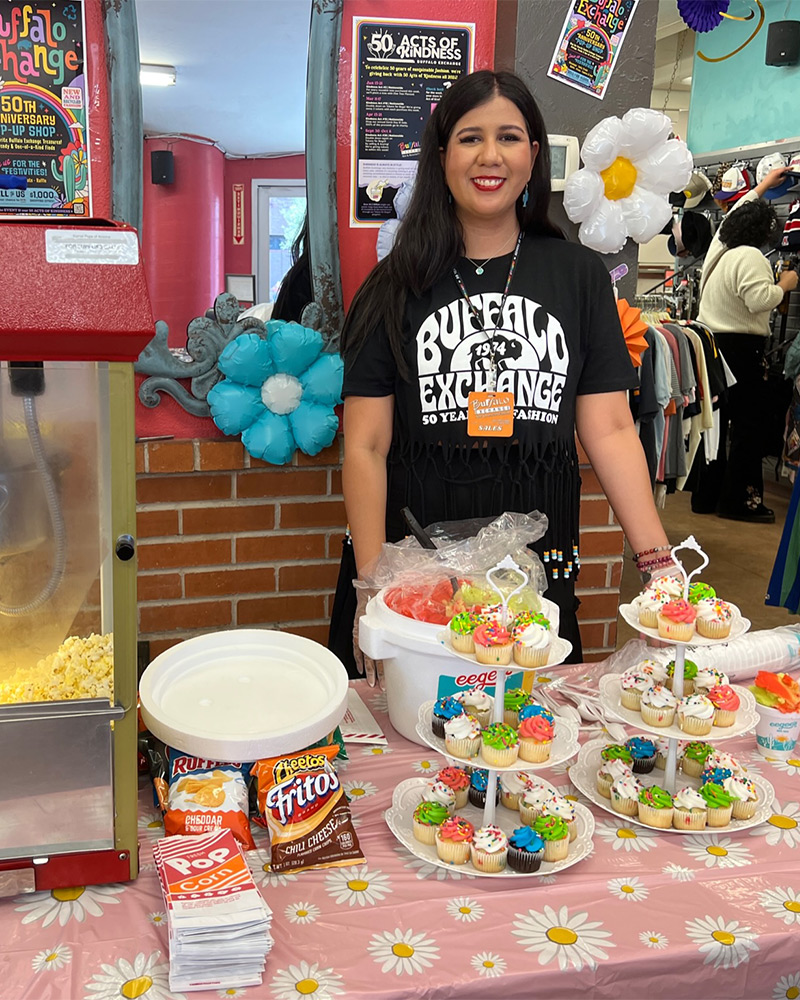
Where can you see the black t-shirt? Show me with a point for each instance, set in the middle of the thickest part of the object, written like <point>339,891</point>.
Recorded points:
<point>558,337</point>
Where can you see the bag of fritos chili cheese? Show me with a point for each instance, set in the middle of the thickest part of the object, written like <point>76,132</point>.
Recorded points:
<point>302,803</point>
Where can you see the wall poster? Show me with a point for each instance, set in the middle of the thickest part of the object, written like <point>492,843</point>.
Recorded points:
<point>44,164</point>
<point>589,43</point>
<point>400,71</point>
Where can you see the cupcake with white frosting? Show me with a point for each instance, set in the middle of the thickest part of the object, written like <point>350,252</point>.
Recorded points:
<point>462,736</point>
<point>609,772</point>
<point>689,811</point>
<point>696,715</point>
<point>557,805</point>
<point>489,849</point>
<point>714,618</point>
<point>654,669</point>
<point>477,703</point>
<point>438,791</point>
<point>745,795</point>
<point>633,683</point>
<point>658,706</point>
<point>532,639</point>
<point>532,802</point>
<point>625,795</point>
<point>512,785</point>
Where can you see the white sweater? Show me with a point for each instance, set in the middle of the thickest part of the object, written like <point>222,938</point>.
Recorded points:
<point>737,290</point>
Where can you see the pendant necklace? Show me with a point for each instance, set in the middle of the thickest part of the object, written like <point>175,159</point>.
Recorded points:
<point>480,267</point>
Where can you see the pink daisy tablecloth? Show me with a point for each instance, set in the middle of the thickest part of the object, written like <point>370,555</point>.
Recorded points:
<point>649,914</point>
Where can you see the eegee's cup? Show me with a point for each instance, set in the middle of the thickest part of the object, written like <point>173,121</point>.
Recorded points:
<point>777,733</point>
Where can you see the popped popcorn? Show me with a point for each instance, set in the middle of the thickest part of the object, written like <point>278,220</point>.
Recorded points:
<point>80,668</point>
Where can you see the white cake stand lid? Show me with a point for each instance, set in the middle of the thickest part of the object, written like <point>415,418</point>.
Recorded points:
<point>243,694</point>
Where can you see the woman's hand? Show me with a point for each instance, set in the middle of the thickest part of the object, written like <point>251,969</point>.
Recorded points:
<point>771,180</point>
<point>788,280</point>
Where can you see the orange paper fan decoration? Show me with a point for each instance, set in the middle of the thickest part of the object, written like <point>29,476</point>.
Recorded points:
<point>634,330</point>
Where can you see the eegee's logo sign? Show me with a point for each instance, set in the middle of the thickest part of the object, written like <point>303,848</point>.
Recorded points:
<point>485,679</point>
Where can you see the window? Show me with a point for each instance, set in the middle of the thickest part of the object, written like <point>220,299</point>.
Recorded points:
<point>279,208</point>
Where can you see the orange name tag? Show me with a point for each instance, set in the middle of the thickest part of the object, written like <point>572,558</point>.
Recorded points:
<point>490,414</point>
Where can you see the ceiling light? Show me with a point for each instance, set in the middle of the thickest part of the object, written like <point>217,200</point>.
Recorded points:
<point>156,76</point>
<point>686,79</point>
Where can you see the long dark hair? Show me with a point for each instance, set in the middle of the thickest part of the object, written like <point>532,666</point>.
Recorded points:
<point>430,239</point>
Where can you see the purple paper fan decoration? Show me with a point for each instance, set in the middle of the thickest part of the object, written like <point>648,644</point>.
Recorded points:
<point>703,15</point>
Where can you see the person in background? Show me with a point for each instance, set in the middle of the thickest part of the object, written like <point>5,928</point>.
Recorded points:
<point>295,292</point>
<point>737,295</point>
<point>482,294</point>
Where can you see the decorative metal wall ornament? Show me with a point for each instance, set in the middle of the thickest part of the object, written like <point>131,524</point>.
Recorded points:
<point>750,15</point>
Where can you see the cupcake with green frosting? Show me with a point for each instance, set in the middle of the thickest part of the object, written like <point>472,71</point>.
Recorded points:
<point>694,757</point>
<point>689,674</point>
<point>720,803</point>
<point>514,700</point>
<point>655,807</point>
<point>700,591</point>
<point>616,751</point>
<point>555,833</point>
<point>428,817</point>
<point>462,626</point>
<point>500,745</point>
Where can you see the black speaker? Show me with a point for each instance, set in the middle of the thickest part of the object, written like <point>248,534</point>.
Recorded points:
<point>162,166</point>
<point>783,43</point>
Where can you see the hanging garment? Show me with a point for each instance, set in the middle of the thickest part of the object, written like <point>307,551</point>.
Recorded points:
<point>784,584</point>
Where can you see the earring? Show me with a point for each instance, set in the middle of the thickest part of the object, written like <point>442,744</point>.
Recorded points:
<point>449,197</point>
<point>525,197</point>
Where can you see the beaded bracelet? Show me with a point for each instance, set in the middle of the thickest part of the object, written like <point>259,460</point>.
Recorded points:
<point>654,563</point>
<point>649,552</point>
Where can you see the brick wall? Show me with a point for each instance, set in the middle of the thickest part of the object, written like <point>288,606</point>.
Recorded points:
<point>226,540</point>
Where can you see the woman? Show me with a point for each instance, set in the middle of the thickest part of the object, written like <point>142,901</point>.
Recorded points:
<point>737,294</point>
<point>481,293</point>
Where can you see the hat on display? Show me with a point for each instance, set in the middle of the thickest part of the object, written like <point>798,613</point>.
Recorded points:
<point>716,184</point>
<point>794,173</point>
<point>736,182</point>
<point>696,190</point>
<point>772,161</point>
<point>696,233</point>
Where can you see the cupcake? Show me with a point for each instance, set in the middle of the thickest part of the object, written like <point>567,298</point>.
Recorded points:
<point>648,604</point>
<point>715,775</point>
<point>457,779</point>
<point>438,791</point>
<point>662,751</point>
<point>625,795</point>
<point>690,811</point>
<point>489,849</point>
<point>700,591</point>
<point>492,644</point>
<point>676,621</point>
<point>609,772</point>
<point>533,709</point>
<point>512,785</point>
<point>462,626</point>
<point>726,704</point>
<point>689,674</point>
<point>696,715</point>
<point>707,678</point>
<point>643,752</point>
<point>654,669</point>
<point>428,816</point>
<point>462,737</point>
<point>557,805</point>
<point>745,801</point>
<point>499,745</point>
<point>478,783</point>
<point>714,618</point>
<point>532,802</point>
<point>719,802</point>
<point>513,701</point>
<point>525,850</point>
<point>655,807</point>
<point>616,751</point>
<point>453,839</point>
<point>658,706</point>
<point>632,685</point>
<point>720,758</point>
<point>694,758</point>
<point>444,709</point>
<point>532,640</point>
<point>555,834</point>
<point>477,703</point>
<point>535,735</point>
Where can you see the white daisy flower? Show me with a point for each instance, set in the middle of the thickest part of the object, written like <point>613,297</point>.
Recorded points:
<point>628,888</point>
<point>787,987</point>
<point>65,904</point>
<point>357,885</point>
<point>678,872</point>
<point>428,765</point>
<point>791,766</point>
<point>571,793</point>
<point>783,825</point>
<point>654,939</point>
<point>625,838</point>
<point>231,993</point>
<point>151,825</point>
<point>52,958</point>
<point>302,913</point>
<point>144,977</point>
<point>359,789</point>
<point>752,764</point>
<point>630,166</point>
<point>258,861</point>
<point>717,851</point>
<point>376,751</point>
<point>158,918</point>
<point>546,879</point>
<point>562,768</point>
<point>403,952</point>
<point>726,944</point>
<point>487,964</point>
<point>465,909</point>
<point>307,981</point>
<point>573,940</point>
<point>784,904</point>
<point>426,870</point>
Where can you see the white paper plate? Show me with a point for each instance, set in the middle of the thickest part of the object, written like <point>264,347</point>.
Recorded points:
<point>408,795</point>
<point>243,694</point>
<point>583,775</point>
<point>739,626</point>
<point>746,717</point>
<point>559,651</point>
<point>565,744</point>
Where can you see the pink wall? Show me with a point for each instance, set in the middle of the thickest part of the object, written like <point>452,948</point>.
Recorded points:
<point>357,246</point>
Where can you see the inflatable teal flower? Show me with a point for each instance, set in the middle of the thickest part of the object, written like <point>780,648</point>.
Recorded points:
<point>279,392</point>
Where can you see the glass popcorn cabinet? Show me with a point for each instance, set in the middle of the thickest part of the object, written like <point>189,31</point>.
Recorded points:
<point>74,315</point>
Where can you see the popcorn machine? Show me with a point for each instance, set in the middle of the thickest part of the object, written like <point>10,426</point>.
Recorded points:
<point>74,315</point>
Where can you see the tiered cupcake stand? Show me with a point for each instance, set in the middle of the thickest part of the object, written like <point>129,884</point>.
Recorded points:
<point>408,794</point>
<point>583,772</point>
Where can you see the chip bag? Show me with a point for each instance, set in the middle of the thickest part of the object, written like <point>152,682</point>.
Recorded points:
<point>303,805</point>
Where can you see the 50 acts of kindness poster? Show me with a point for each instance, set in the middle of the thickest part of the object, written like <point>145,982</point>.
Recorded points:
<point>44,166</point>
<point>589,44</point>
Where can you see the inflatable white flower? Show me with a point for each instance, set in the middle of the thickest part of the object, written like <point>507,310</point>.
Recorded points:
<point>630,166</point>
